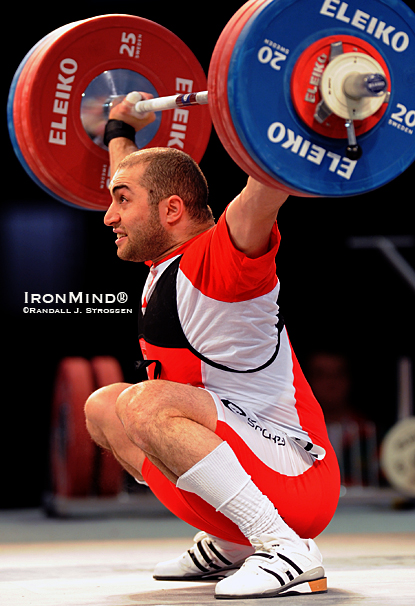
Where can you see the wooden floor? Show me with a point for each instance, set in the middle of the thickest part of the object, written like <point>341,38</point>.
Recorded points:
<point>369,553</point>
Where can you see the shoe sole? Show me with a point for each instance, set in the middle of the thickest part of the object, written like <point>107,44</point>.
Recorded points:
<point>213,576</point>
<point>300,586</point>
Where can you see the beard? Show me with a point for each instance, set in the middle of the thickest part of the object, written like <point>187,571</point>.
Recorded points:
<point>146,242</point>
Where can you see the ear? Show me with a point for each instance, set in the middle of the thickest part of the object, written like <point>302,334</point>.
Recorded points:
<point>171,210</point>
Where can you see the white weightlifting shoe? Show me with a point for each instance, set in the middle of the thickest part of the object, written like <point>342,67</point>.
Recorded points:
<point>210,558</point>
<point>278,567</point>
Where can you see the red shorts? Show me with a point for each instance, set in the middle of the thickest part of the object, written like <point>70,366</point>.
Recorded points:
<point>304,490</point>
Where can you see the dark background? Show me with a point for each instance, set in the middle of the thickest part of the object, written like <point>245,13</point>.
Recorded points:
<point>332,296</point>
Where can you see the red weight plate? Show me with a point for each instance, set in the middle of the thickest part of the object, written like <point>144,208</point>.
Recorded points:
<point>57,81</point>
<point>107,370</point>
<point>217,87</point>
<point>13,108</point>
<point>72,450</point>
<point>21,108</point>
<point>305,80</point>
<point>18,101</point>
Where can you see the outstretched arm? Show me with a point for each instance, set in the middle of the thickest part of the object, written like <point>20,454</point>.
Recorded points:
<point>120,147</point>
<point>251,216</point>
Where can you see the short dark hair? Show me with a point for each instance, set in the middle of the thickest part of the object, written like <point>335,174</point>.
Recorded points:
<point>170,172</point>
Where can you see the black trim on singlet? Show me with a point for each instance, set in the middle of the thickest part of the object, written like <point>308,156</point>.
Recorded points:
<point>160,325</point>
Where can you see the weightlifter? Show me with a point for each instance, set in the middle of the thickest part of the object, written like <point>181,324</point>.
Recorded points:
<point>226,432</point>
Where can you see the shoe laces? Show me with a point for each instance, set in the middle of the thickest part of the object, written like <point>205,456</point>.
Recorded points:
<point>265,542</point>
<point>206,553</point>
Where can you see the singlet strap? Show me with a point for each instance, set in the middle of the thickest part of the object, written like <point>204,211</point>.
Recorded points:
<point>144,364</point>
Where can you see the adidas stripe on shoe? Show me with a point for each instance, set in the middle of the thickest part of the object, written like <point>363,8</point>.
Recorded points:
<point>210,558</point>
<point>278,567</point>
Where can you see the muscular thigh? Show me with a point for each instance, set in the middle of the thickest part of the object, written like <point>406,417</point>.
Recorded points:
<point>304,491</point>
<point>166,398</point>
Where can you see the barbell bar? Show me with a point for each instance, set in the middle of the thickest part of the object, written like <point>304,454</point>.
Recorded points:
<point>288,103</point>
<point>356,86</point>
<point>171,102</point>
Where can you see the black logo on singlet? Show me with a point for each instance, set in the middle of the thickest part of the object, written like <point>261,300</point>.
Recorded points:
<point>234,408</point>
<point>279,440</point>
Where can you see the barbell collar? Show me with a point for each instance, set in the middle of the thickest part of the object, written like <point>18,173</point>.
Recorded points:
<point>356,86</point>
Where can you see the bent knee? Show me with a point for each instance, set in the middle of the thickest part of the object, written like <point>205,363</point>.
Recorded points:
<point>139,409</point>
<point>142,404</point>
<point>144,399</point>
<point>131,399</point>
<point>101,403</point>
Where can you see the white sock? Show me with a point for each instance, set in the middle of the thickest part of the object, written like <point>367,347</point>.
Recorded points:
<point>220,480</point>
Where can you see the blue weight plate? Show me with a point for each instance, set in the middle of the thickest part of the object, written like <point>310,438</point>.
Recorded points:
<point>218,104</point>
<point>263,114</point>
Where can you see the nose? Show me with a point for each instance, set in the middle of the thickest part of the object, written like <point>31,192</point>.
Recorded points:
<point>112,216</point>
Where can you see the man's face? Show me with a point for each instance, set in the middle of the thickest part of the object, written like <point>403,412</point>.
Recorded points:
<point>140,234</point>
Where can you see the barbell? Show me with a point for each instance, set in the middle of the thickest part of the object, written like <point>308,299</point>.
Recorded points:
<point>316,97</point>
